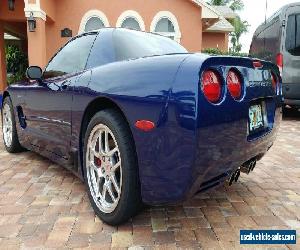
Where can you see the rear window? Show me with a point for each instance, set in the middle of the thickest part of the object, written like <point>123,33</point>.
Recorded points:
<point>272,40</point>
<point>293,35</point>
<point>258,45</point>
<point>133,44</point>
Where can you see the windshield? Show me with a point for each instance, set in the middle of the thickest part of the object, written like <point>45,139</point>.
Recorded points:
<point>131,44</point>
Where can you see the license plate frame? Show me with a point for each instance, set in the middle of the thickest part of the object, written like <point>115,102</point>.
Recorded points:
<point>256,118</point>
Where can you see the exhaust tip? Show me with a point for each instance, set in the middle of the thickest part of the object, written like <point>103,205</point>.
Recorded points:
<point>248,166</point>
<point>234,177</point>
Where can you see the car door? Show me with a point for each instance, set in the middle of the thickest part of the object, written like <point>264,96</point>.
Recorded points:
<point>291,54</point>
<point>48,103</point>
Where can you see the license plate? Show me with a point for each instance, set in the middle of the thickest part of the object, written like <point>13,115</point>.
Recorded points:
<point>256,118</point>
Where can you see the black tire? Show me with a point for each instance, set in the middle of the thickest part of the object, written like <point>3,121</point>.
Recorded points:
<point>129,203</point>
<point>15,146</point>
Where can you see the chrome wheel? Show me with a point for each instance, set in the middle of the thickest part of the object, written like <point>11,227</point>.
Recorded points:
<point>7,125</point>
<point>104,168</point>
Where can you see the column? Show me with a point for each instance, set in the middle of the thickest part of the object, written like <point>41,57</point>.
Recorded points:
<point>3,82</point>
<point>37,44</point>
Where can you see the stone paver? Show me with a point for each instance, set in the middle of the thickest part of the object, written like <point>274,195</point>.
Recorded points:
<point>44,206</point>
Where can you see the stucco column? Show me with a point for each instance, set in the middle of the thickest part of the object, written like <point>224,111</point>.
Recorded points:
<point>3,82</point>
<point>37,44</point>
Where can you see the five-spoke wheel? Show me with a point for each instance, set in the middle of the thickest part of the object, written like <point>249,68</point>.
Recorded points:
<point>104,168</point>
<point>7,126</point>
<point>110,168</point>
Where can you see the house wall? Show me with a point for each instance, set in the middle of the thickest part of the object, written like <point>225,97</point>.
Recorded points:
<point>17,15</point>
<point>68,14</point>
<point>2,59</point>
<point>215,40</point>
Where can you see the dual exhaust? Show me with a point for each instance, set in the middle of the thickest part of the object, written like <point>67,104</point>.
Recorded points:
<point>246,168</point>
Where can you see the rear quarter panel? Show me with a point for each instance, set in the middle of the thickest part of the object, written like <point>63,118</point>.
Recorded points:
<point>141,89</point>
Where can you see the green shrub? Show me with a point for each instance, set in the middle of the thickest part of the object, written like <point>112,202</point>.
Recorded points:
<point>16,63</point>
<point>214,51</point>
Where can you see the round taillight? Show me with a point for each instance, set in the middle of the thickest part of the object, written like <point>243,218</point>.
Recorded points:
<point>234,84</point>
<point>211,86</point>
<point>274,81</point>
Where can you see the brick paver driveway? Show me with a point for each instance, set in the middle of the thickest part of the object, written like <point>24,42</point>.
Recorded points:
<point>44,206</point>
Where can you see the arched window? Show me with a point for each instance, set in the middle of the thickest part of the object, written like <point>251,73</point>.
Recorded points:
<point>93,20</point>
<point>94,23</point>
<point>130,19</point>
<point>166,24</point>
<point>166,28</point>
<point>131,23</point>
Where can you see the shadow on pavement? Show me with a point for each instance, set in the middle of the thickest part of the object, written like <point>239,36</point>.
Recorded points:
<point>291,114</point>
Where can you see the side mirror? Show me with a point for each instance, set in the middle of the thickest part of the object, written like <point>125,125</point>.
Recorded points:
<point>34,73</point>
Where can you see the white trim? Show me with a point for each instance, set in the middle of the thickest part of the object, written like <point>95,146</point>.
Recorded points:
<point>133,14</point>
<point>88,15</point>
<point>167,14</point>
<point>11,37</point>
<point>34,8</point>
<point>208,11</point>
<point>221,26</point>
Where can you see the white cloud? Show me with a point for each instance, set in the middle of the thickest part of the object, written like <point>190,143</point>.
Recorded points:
<point>254,13</point>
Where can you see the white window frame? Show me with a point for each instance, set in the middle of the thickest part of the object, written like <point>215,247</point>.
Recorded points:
<point>131,14</point>
<point>88,15</point>
<point>169,15</point>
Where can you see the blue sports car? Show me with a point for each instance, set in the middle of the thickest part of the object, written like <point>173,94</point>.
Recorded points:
<point>142,121</point>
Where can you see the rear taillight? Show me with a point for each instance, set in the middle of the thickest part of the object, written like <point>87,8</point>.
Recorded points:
<point>211,86</point>
<point>279,62</point>
<point>274,82</point>
<point>234,84</point>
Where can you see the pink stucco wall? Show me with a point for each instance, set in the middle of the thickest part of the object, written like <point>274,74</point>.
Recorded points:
<point>69,14</point>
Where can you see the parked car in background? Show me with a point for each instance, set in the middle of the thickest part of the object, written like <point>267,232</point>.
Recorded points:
<point>278,40</point>
<point>139,119</point>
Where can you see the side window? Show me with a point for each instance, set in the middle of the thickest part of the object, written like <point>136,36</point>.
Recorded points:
<point>71,58</point>
<point>292,43</point>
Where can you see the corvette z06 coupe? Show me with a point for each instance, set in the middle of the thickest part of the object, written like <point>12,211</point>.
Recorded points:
<point>142,121</point>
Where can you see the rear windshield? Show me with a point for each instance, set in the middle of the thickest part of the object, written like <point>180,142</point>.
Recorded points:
<point>133,44</point>
<point>292,43</point>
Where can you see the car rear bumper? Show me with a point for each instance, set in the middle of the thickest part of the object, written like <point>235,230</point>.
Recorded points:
<point>291,93</point>
<point>220,168</point>
<point>292,102</point>
<point>224,148</point>
<point>220,150</point>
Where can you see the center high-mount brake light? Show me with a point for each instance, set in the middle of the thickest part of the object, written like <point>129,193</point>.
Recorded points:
<point>234,84</point>
<point>211,86</point>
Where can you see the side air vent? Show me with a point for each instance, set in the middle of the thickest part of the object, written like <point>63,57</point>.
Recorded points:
<point>22,118</point>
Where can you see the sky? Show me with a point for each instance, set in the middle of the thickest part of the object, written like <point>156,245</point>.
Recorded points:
<point>254,13</point>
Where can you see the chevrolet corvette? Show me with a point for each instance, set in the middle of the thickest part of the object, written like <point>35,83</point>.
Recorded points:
<point>142,121</point>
